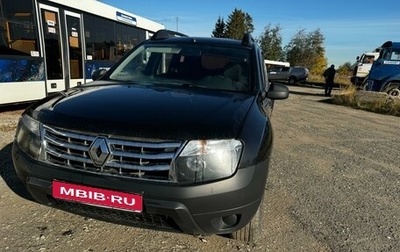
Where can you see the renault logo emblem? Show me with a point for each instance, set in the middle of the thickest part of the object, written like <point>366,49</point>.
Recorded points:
<point>99,151</point>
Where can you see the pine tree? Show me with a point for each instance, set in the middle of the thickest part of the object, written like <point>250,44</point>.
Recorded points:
<point>219,30</point>
<point>238,24</point>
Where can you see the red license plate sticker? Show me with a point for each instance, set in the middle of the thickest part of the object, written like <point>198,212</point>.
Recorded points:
<point>98,197</point>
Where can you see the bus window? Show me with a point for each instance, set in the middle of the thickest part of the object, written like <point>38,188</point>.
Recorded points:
<point>52,41</point>
<point>75,47</point>
<point>99,34</point>
<point>18,34</point>
<point>127,38</point>
<point>106,40</point>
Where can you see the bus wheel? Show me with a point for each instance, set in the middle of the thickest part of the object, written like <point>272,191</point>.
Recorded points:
<point>393,90</point>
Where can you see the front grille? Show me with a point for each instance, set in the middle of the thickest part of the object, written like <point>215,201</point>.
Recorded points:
<point>141,220</point>
<point>125,158</point>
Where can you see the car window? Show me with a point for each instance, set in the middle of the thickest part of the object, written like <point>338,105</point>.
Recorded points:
<point>187,64</point>
<point>275,69</point>
<point>395,55</point>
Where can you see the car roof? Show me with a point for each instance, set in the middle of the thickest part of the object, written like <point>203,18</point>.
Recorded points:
<point>172,37</point>
<point>200,40</point>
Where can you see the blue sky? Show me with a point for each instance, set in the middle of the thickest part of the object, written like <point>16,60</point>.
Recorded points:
<point>350,27</point>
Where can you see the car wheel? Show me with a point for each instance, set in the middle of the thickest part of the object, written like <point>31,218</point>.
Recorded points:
<point>364,87</point>
<point>393,90</point>
<point>252,232</point>
<point>292,80</point>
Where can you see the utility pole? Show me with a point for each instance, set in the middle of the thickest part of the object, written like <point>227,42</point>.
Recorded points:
<point>177,21</point>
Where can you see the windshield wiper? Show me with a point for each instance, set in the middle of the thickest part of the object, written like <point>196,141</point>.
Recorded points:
<point>184,84</point>
<point>191,85</point>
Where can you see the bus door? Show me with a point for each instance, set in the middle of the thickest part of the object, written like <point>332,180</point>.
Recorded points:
<point>75,49</point>
<point>51,39</point>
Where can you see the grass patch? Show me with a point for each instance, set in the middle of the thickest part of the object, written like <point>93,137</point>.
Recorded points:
<point>369,101</point>
<point>340,80</point>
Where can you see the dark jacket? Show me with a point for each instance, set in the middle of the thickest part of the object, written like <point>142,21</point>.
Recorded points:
<point>329,74</point>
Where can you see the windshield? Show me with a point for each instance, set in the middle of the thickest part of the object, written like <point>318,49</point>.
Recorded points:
<point>192,65</point>
<point>368,59</point>
<point>391,54</point>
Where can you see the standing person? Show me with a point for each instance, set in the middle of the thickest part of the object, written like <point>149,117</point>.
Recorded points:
<point>329,75</point>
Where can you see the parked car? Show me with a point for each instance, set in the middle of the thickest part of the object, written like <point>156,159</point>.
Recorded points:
<point>175,136</point>
<point>293,75</point>
<point>278,72</point>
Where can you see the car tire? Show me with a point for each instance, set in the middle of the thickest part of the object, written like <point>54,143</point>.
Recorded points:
<point>292,80</point>
<point>252,232</point>
<point>393,89</point>
<point>363,87</point>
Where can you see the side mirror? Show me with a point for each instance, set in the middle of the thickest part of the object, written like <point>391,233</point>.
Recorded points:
<point>98,73</point>
<point>278,91</point>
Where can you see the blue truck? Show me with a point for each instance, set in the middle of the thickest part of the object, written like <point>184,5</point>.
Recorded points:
<point>385,71</point>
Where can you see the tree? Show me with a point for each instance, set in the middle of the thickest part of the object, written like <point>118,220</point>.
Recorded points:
<point>346,69</point>
<point>307,49</point>
<point>270,42</point>
<point>219,30</point>
<point>295,48</point>
<point>238,24</point>
<point>319,65</point>
<point>317,52</point>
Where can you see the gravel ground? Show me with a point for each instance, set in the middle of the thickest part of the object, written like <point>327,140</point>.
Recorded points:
<point>334,185</point>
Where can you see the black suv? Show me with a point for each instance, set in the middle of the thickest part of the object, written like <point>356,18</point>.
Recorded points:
<point>176,135</point>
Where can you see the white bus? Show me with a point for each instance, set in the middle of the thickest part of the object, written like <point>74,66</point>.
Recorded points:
<point>48,46</point>
<point>275,63</point>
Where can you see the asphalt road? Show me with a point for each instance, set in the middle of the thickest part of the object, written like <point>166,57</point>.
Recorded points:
<point>334,185</point>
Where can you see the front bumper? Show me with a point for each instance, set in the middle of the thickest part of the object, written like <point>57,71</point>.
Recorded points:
<point>219,207</point>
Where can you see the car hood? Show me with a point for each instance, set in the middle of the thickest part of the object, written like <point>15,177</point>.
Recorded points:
<point>146,111</point>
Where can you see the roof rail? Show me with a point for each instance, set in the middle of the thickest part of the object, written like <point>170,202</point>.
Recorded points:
<point>163,34</point>
<point>247,40</point>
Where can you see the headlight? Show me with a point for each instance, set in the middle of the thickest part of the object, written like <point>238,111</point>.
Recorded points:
<point>28,136</point>
<point>205,160</point>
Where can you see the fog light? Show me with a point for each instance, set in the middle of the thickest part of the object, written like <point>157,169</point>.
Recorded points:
<point>230,220</point>
<point>225,222</point>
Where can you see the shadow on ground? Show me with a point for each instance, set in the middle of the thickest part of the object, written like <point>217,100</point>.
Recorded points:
<point>307,86</point>
<point>7,172</point>
<point>306,93</point>
<point>14,107</point>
